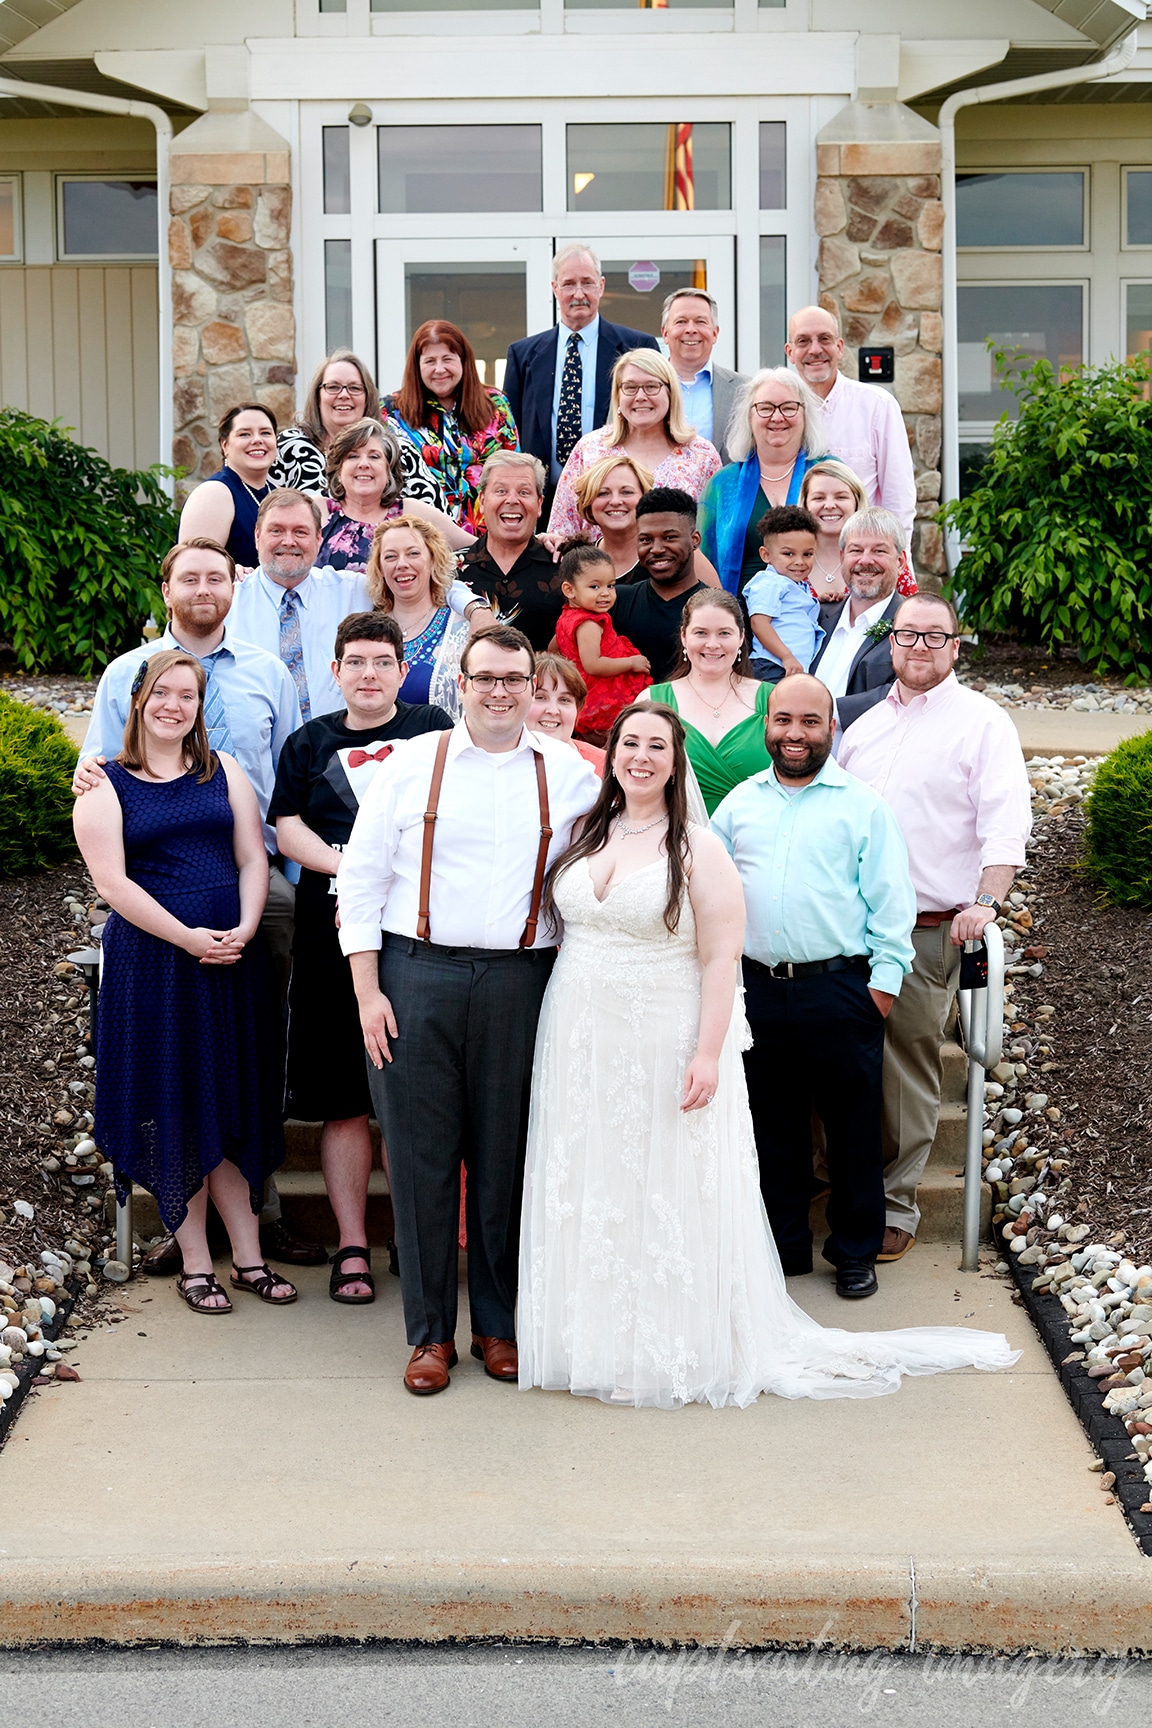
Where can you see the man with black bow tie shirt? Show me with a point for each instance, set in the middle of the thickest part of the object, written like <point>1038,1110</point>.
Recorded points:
<point>325,769</point>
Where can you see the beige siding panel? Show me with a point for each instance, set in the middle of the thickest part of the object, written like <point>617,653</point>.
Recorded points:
<point>66,347</point>
<point>13,341</point>
<point>93,361</point>
<point>38,316</point>
<point>118,334</point>
<point>146,365</point>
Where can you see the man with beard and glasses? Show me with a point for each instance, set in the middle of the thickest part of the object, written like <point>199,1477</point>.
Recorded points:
<point>854,661</point>
<point>830,912</point>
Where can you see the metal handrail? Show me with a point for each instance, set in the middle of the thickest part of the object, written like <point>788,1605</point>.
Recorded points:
<point>982,1022</point>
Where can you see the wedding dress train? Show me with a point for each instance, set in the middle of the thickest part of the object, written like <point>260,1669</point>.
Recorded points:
<point>648,1273</point>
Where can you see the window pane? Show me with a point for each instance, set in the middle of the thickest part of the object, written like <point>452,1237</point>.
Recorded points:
<point>109,218</point>
<point>638,303</point>
<point>1139,208</point>
<point>662,167</point>
<point>773,138</point>
<point>773,297</point>
<point>337,192</point>
<point>7,219</point>
<point>1020,209</point>
<point>1033,321</point>
<point>338,293</point>
<point>643,5</point>
<point>333,5</point>
<point>428,169</point>
<point>1139,318</point>
<point>489,302</point>
<point>456,6</point>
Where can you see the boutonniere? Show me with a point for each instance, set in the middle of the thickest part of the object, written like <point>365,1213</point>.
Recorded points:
<point>877,632</point>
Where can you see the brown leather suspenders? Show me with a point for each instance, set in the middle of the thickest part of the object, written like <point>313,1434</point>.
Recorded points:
<point>423,920</point>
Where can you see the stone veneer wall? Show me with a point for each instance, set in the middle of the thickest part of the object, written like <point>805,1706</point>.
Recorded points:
<point>234,331</point>
<point>881,223</point>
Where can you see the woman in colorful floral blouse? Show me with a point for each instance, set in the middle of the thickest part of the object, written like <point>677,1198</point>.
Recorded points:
<point>454,420</point>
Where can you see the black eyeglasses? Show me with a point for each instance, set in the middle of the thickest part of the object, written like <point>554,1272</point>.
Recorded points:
<point>515,683</point>
<point>930,638</point>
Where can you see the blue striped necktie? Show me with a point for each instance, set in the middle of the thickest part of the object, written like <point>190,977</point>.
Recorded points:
<point>215,713</point>
<point>292,649</point>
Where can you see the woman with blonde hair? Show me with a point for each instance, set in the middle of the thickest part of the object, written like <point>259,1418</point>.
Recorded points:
<point>606,497</point>
<point>645,422</point>
<point>410,573</point>
<point>341,391</point>
<point>364,489</point>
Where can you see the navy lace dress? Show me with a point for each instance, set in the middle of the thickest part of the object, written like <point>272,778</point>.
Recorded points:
<point>186,1064</point>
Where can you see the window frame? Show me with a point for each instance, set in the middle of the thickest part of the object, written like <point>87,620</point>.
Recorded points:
<point>16,181</point>
<point>1127,245</point>
<point>1083,168</point>
<point>70,179</point>
<point>631,212</point>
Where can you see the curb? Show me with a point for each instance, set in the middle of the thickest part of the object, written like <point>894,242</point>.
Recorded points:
<point>29,1369</point>
<point>1106,1432</point>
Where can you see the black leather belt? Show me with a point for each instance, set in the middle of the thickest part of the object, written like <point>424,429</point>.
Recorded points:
<point>808,968</point>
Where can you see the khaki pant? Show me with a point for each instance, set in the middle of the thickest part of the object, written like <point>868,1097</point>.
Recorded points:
<point>913,1070</point>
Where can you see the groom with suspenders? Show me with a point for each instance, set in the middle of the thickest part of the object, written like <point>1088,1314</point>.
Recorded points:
<point>440,891</point>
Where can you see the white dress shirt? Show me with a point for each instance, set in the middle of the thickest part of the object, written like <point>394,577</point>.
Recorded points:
<point>865,429</point>
<point>845,643</point>
<point>949,765</point>
<point>486,840</point>
<point>326,598</point>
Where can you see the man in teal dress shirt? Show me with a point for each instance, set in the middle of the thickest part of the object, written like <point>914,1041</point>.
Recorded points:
<point>830,911</point>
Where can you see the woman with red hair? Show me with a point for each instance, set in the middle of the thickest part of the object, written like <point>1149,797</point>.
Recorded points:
<point>454,420</point>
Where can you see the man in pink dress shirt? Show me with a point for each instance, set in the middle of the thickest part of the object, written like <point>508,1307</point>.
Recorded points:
<point>948,763</point>
<point>862,422</point>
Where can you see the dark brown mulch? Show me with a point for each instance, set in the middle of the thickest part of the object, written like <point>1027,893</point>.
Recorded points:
<point>1002,661</point>
<point>43,1019</point>
<point>1098,976</point>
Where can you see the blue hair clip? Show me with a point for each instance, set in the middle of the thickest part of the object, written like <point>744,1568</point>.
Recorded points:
<point>138,681</point>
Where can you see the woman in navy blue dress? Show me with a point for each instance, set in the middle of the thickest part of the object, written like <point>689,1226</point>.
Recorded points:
<point>188,1089</point>
<point>224,506</point>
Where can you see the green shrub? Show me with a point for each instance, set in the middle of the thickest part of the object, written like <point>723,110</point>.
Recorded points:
<point>36,763</point>
<point>80,546</point>
<point>1058,530</point>
<point>1118,844</point>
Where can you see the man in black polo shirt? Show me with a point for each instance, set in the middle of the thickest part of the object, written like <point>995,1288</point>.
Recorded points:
<point>649,612</point>
<point>508,566</point>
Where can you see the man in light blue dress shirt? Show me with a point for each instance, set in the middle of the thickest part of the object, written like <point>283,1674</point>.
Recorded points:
<point>689,328</point>
<point>830,912</point>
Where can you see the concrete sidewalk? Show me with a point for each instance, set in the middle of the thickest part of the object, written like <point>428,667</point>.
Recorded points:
<point>265,1476</point>
<point>1070,732</point>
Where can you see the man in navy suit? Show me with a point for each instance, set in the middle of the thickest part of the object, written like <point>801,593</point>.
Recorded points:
<point>558,383</point>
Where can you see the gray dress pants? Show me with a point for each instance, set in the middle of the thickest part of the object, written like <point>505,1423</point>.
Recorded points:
<point>457,1091</point>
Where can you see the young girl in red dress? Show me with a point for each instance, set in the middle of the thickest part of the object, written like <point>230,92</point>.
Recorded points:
<point>614,671</point>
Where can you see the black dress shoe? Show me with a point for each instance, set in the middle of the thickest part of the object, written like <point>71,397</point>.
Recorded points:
<point>856,1278</point>
<point>165,1259</point>
<point>278,1243</point>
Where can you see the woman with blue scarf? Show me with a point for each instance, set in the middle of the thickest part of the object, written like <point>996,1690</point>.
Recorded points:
<point>775,435</point>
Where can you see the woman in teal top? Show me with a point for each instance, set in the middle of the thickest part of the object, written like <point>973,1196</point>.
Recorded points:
<point>777,433</point>
<point>721,704</point>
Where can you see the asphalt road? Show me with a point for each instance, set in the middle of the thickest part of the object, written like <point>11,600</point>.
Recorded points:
<point>508,1686</point>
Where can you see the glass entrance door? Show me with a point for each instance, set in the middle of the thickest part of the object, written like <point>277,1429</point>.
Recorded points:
<point>639,274</point>
<point>496,291</point>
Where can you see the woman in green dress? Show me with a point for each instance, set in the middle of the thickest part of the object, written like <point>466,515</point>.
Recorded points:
<point>722,706</point>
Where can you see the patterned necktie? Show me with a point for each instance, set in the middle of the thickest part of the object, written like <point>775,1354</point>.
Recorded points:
<point>215,713</point>
<point>569,414</point>
<point>292,649</point>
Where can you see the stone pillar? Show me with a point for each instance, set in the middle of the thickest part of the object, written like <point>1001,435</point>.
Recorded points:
<point>234,330</point>
<point>881,223</point>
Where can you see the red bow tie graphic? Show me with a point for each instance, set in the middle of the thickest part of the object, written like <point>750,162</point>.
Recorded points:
<point>357,758</point>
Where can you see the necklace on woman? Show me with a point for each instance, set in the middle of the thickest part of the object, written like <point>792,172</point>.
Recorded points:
<point>256,497</point>
<point>828,575</point>
<point>773,479</point>
<point>425,619</point>
<point>704,699</point>
<point>622,829</point>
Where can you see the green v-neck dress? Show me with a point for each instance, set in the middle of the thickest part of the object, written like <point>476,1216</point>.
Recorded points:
<point>740,753</point>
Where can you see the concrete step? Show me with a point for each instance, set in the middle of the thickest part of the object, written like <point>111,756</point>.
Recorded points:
<point>951,1130</point>
<point>302,1145</point>
<point>305,1206</point>
<point>954,1084</point>
<point>941,1200</point>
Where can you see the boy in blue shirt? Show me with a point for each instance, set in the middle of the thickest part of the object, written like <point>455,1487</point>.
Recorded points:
<point>781,607</point>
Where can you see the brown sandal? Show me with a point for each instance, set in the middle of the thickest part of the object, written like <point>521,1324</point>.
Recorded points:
<point>263,1286</point>
<point>196,1287</point>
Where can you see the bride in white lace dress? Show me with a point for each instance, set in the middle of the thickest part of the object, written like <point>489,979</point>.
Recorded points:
<point>648,1273</point>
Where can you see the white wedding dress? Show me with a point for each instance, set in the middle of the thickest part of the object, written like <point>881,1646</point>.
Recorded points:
<point>648,1273</point>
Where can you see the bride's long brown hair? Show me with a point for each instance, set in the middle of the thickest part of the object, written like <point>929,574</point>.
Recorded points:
<point>610,805</point>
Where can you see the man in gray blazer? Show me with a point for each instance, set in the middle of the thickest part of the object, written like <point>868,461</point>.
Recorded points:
<point>690,324</point>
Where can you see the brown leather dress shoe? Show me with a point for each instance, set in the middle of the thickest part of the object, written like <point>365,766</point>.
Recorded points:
<point>165,1259</point>
<point>896,1243</point>
<point>500,1356</point>
<point>278,1243</point>
<point>427,1370</point>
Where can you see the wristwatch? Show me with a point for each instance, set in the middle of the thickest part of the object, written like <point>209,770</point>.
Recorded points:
<point>987,900</point>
